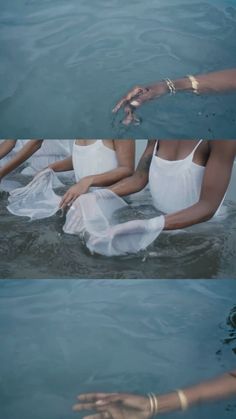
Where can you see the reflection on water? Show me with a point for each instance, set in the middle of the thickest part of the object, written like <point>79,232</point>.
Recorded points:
<point>77,58</point>
<point>40,249</point>
<point>60,338</point>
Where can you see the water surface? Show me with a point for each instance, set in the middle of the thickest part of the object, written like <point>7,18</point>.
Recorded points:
<point>65,64</point>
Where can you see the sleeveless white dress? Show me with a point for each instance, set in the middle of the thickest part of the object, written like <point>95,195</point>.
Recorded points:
<point>93,159</point>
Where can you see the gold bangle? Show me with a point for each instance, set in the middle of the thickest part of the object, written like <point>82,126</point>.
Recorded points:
<point>194,84</point>
<point>183,400</point>
<point>171,86</point>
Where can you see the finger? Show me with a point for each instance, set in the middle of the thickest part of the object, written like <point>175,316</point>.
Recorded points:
<point>102,415</point>
<point>67,200</point>
<point>134,92</point>
<point>84,406</point>
<point>92,397</point>
<point>143,97</point>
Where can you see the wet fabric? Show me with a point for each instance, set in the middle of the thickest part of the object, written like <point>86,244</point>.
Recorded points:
<point>92,215</point>
<point>93,159</point>
<point>37,200</point>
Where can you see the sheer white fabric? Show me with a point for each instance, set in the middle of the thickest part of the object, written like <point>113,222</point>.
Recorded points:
<point>37,200</point>
<point>93,216</point>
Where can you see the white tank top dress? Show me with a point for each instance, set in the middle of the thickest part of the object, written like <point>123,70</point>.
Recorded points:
<point>93,159</point>
<point>176,185</point>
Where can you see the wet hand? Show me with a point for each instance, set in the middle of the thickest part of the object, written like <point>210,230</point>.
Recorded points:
<point>114,406</point>
<point>75,191</point>
<point>139,95</point>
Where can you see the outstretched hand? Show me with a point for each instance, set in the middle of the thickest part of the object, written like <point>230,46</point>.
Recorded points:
<point>114,406</point>
<point>75,191</point>
<point>137,97</point>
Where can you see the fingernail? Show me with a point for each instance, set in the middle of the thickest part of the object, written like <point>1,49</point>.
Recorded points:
<point>134,103</point>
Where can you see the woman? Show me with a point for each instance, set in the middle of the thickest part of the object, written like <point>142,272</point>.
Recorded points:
<point>96,163</point>
<point>188,182</point>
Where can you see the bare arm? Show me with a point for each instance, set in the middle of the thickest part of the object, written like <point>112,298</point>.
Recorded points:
<point>6,146</point>
<point>62,165</point>
<point>215,183</point>
<point>139,179</point>
<point>24,154</point>
<point>130,406</point>
<point>215,82</point>
<point>125,150</point>
<point>216,389</point>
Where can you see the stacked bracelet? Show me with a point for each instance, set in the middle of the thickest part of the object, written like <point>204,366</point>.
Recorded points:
<point>171,86</point>
<point>194,83</point>
<point>183,400</point>
<point>154,404</point>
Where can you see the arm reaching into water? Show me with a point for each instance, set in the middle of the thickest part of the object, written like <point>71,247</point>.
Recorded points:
<point>215,82</point>
<point>215,183</point>
<point>125,152</point>
<point>24,154</point>
<point>139,179</point>
<point>127,406</point>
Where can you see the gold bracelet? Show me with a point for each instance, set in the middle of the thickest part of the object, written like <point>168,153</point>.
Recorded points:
<point>171,86</point>
<point>183,400</point>
<point>194,83</point>
<point>154,404</point>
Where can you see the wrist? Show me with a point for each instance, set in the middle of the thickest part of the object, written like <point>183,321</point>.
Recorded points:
<point>182,85</point>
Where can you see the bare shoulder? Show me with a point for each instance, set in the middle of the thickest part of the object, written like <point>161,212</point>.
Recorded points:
<point>223,147</point>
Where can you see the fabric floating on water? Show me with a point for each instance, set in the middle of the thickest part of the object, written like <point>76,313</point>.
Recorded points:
<point>92,216</point>
<point>37,200</point>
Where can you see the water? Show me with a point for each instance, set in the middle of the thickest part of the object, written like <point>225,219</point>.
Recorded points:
<point>65,64</point>
<point>61,338</point>
<point>40,249</point>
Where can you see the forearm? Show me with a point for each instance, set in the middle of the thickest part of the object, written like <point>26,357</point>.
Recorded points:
<point>111,177</point>
<point>129,185</point>
<point>6,147</point>
<point>62,165</point>
<point>219,81</point>
<point>24,154</point>
<point>217,389</point>
<point>198,213</point>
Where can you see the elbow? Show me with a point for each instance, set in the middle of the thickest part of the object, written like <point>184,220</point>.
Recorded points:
<point>208,211</point>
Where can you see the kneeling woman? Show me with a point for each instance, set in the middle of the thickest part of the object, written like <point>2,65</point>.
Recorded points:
<point>96,163</point>
<point>188,182</point>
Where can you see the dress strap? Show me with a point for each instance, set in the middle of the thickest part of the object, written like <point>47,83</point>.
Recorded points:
<point>195,148</point>
<point>155,148</point>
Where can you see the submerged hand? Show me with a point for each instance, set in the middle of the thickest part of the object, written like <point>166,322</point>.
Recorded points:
<point>75,191</point>
<point>114,406</point>
<point>139,95</point>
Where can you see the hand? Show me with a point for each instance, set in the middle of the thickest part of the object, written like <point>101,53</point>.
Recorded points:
<point>137,96</point>
<point>114,406</point>
<point>75,191</point>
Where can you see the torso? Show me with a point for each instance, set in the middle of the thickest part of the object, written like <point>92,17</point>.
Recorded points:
<point>173,150</point>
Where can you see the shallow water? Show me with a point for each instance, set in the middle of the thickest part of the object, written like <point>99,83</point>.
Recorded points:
<point>40,249</point>
<point>61,338</point>
<point>65,64</point>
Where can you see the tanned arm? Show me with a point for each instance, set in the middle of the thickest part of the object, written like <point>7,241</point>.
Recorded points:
<point>24,154</point>
<point>215,183</point>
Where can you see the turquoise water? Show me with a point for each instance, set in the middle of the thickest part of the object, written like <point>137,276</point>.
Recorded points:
<point>60,338</point>
<point>65,64</point>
